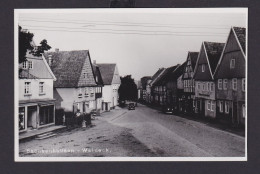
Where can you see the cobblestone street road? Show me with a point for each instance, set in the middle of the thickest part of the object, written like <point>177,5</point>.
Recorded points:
<point>141,132</point>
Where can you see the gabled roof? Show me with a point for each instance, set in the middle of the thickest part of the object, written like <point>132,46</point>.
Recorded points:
<point>25,74</point>
<point>178,71</point>
<point>166,75</point>
<point>241,36</point>
<point>107,72</point>
<point>97,73</point>
<point>155,76</point>
<point>67,67</point>
<point>193,57</point>
<point>214,51</point>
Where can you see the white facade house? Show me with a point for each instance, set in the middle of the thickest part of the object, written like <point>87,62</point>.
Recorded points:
<point>36,102</point>
<point>111,80</point>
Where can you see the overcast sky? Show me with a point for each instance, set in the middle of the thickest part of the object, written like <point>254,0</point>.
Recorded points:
<point>139,41</point>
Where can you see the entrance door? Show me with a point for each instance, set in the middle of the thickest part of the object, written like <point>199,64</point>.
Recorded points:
<point>32,117</point>
<point>106,105</point>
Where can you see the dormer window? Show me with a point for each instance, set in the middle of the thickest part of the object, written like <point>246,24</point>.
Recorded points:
<point>232,63</point>
<point>24,65</point>
<point>30,65</point>
<point>203,67</point>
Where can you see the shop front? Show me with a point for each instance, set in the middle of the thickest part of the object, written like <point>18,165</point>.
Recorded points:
<point>35,115</point>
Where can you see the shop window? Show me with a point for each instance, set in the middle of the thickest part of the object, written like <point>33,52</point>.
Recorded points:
<point>226,107</point>
<point>209,105</point>
<point>21,118</point>
<point>46,115</point>
<point>212,105</point>
<point>221,106</point>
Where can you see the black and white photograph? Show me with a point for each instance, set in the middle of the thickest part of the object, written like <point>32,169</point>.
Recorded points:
<point>130,84</point>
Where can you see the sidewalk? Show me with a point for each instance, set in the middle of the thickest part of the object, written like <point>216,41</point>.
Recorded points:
<point>209,122</point>
<point>30,134</point>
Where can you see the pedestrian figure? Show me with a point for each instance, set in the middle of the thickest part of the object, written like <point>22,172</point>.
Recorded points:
<point>78,118</point>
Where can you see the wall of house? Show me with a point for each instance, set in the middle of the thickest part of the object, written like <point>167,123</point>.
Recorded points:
<point>48,89</point>
<point>65,97</point>
<point>230,94</point>
<point>206,94</point>
<point>210,112</point>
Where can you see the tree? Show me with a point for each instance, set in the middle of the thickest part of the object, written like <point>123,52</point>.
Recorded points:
<point>127,89</point>
<point>25,44</point>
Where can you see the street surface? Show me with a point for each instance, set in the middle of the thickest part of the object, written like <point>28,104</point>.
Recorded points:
<point>143,132</point>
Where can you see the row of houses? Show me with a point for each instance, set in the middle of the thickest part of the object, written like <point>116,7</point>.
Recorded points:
<point>210,83</point>
<point>66,80</point>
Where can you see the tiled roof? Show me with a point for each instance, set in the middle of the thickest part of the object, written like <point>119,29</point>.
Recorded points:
<point>67,67</point>
<point>214,50</point>
<point>165,75</point>
<point>193,57</point>
<point>107,72</point>
<point>156,75</point>
<point>25,74</point>
<point>241,35</point>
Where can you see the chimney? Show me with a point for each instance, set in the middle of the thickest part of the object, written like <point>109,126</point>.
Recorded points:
<point>49,59</point>
<point>56,50</point>
<point>94,62</point>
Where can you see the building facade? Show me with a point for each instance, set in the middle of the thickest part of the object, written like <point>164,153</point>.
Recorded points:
<point>111,80</point>
<point>208,58</point>
<point>189,83</point>
<point>76,85</point>
<point>231,80</point>
<point>36,102</point>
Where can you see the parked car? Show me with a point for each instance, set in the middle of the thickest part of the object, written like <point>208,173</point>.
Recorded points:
<point>131,106</point>
<point>167,109</point>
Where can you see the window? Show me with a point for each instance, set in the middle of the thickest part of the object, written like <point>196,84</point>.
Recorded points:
<point>212,86</point>
<point>85,75</point>
<point>30,64</point>
<point>209,86</point>
<point>41,87</point>
<point>225,84</point>
<point>234,84</point>
<point>27,88</point>
<point>198,86</point>
<point>232,63</point>
<point>221,106</point>
<point>212,105</point>
<point>243,111</point>
<point>203,67</point>
<point>203,86</point>
<point>219,83</point>
<point>25,65</point>
<point>226,107</point>
<point>243,84</point>
<point>209,105</point>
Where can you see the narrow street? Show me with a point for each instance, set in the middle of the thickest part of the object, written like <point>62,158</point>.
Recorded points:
<point>141,132</point>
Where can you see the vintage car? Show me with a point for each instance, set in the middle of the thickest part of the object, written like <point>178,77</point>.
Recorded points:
<point>131,106</point>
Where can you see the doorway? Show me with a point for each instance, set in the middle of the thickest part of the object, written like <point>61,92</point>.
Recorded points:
<point>32,117</point>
